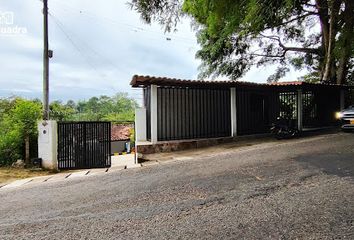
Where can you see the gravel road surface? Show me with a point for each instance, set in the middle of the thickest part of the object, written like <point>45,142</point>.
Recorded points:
<point>294,189</point>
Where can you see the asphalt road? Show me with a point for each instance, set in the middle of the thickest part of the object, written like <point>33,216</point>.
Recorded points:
<point>297,189</point>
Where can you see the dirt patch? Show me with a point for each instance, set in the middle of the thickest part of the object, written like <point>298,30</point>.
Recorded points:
<point>9,174</point>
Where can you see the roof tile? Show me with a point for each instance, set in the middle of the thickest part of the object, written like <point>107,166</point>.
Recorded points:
<point>139,81</point>
<point>120,132</point>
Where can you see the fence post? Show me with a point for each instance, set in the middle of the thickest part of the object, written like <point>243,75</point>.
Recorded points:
<point>140,124</point>
<point>299,110</point>
<point>48,144</point>
<point>153,113</point>
<point>233,112</point>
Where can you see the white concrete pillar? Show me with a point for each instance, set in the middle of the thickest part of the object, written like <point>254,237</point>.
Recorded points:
<point>140,124</point>
<point>342,99</point>
<point>233,112</point>
<point>153,109</point>
<point>299,110</point>
<point>48,144</point>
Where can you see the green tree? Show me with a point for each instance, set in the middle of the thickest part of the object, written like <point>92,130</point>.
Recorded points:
<point>17,127</point>
<point>117,108</point>
<point>5,105</point>
<point>18,119</point>
<point>61,112</point>
<point>237,34</point>
<point>71,104</point>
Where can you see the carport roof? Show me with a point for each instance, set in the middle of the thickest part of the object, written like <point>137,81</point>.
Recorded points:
<point>142,81</point>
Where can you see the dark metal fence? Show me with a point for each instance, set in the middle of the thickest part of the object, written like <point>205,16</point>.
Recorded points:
<point>203,112</point>
<point>309,109</point>
<point>327,104</point>
<point>189,113</point>
<point>349,101</point>
<point>84,145</point>
<point>256,110</point>
<point>288,105</point>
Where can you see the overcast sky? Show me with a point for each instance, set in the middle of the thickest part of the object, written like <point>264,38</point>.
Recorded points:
<point>98,46</point>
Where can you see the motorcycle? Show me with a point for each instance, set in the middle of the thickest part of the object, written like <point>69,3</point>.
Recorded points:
<point>283,129</point>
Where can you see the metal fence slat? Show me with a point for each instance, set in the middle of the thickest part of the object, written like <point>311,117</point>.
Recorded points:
<point>84,145</point>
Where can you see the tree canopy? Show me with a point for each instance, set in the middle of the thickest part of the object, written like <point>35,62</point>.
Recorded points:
<point>118,108</point>
<point>19,117</point>
<point>18,125</point>
<point>235,35</point>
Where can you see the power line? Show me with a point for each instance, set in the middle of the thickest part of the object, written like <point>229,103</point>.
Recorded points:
<point>130,26</point>
<point>77,47</point>
<point>61,27</point>
<point>84,44</point>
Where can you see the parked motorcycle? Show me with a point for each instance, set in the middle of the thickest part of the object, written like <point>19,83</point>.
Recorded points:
<point>283,129</point>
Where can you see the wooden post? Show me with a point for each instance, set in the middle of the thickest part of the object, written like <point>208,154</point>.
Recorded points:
<point>27,150</point>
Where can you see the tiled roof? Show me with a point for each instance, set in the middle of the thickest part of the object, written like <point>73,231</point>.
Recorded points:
<point>139,81</point>
<point>287,83</point>
<point>120,132</point>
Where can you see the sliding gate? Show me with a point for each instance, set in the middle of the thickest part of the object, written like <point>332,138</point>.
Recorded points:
<point>84,145</point>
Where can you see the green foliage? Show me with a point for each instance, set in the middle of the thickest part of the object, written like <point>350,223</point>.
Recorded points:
<point>235,35</point>
<point>10,146</point>
<point>19,117</point>
<point>132,137</point>
<point>166,12</point>
<point>25,115</point>
<point>19,121</point>
<point>279,73</point>
<point>312,77</point>
<point>120,117</point>
<point>60,112</point>
<point>5,106</point>
<point>118,108</point>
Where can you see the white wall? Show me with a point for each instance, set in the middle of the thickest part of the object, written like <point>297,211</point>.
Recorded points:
<point>48,144</point>
<point>140,124</point>
<point>233,112</point>
<point>153,114</point>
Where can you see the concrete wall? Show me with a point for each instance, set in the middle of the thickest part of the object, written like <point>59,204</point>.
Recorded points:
<point>48,144</point>
<point>170,146</point>
<point>140,125</point>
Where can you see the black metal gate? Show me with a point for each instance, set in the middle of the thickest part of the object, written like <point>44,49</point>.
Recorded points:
<point>84,145</point>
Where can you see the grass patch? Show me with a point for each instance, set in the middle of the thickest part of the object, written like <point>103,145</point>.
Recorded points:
<point>9,174</point>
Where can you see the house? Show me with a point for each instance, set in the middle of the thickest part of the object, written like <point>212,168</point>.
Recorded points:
<point>120,137</point>
<point>180,113</point>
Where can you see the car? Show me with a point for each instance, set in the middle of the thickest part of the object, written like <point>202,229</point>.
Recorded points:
<point>347,118</point>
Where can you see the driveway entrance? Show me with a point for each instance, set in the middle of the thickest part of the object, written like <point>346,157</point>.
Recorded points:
<point>84,145</point>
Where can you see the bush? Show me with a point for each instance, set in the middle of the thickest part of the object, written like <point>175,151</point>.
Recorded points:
<point>10,147</point>
<point>17,124</point>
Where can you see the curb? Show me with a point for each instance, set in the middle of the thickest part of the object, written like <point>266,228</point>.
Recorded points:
<point>65,176</point>
<point>17,183</point>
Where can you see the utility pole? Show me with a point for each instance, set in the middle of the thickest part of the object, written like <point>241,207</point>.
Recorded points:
<point>45,62</point>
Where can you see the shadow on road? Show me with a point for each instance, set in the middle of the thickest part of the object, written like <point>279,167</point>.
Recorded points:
<point>340,164</point>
